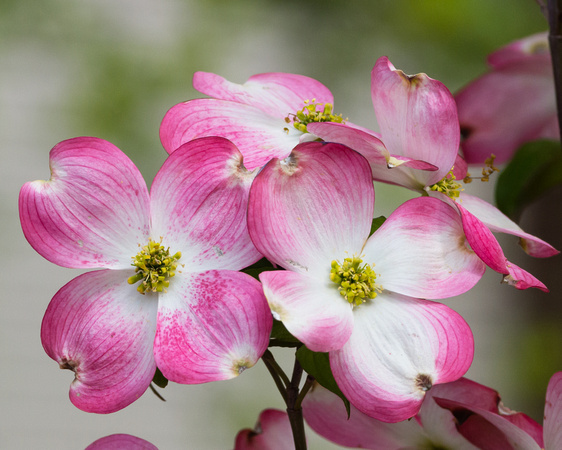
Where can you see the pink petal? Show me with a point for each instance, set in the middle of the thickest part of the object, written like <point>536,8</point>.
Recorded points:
<point>521,279</point>
<point>272,432</point>
<point>486,246</point>
<point>440,424</point>
<point>102,329</point>
<point>311,309</point>
<point>460,169</point>
<point>199,199</point>
<point>394,169</point>
<point>512,104</point>
<point>417,117</point>
<point>488,430</point>
<point>311,208</point>
<point>553,413</point>
<point>276,94</point>
<point>121,442</point>
<point>211,326</point>
<point>494,219</point>
<point>534,46</point>
<point>400,348</point>
<point>260,137</point>
<point>92,212</point>
<point>420,251</point>
<point>325,413</point>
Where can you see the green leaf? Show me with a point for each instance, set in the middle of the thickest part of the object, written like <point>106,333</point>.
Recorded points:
<point>280,336</point>
<point>159,379</point>
<point>376,224</point>
<point>318,365</point>
<point>535,168</point>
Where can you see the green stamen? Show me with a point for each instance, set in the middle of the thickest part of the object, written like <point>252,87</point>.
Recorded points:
<point>311,113</point>
<point>356,280</point>
<point>448,186</point>
<point>154,267</point>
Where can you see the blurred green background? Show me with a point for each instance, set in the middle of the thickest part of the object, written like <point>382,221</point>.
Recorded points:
<point>111,69</point>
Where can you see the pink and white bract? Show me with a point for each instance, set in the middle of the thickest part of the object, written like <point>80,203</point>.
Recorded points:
<point>206,323</point>
<point>489,429</point>
<point>312,211</point>
<point>512,104</point>
<point>252,115</point>
<point>272,432</point>
<point>433,427</point>
<point>419,125</point>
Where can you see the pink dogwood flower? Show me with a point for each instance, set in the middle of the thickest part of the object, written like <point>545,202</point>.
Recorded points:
<point>356,297</point>
<point>432,427</point>
<point>490,429</point>
<point>265,117</point>
<point>511,104</point>
<point>418,120</point>
<point>199,320</point>
<point>121,442</point>
<point>272,432</point>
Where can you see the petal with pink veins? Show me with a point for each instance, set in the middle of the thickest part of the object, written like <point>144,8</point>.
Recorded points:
<point>121,442</point>
<point>199,201</point>
<point>103,330</point>
<point>92,212</point>
<point>276,94</point>
<point>421,251</point>
<point>258,136</point>
<point>486,246</point>
<point>307,210</point>
<point>325,413</point>
<point>385,167</point>
<point>418,119</point>
<point>272,432</point>
<point>486,429</point>
<point>211,326</point>
<point>553,413</point>
<point>400,347</point>
<point>311,309</point>
<point>494,219</point>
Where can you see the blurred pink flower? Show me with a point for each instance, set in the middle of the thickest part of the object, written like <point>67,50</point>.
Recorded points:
<point>272,432</point>
<point>121,442</point>
<point>199,320</point>
<point>433,427</point>
<point>489,429</point>
<point>512,104</point>
<point>359,297</point>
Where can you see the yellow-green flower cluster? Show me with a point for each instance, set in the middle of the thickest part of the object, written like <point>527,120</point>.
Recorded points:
<point>356,280</point>
<point>154,266</point>
<point>448,186</point>
<point>310,114</point>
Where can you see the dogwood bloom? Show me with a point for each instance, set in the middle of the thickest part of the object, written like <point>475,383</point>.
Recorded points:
<point>511,104</point>
<point>357,297</point>
<point>121,442</point>
<point>418,120</point>
<point>169,295</point>
<point>432,427</point>
<point>490,429</point>
<point>265,117</point>
<point>272,432</point>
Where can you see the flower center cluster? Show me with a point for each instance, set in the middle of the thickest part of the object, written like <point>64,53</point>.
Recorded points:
<point>356,280</point>
<point>154,267</point>
<point>448,186</point>
<point>313,112</point>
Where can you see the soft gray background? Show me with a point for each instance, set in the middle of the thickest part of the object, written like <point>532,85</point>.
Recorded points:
<point>112,68</point>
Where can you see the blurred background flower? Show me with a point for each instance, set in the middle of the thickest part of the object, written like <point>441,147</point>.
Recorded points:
<point>112,69</point>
